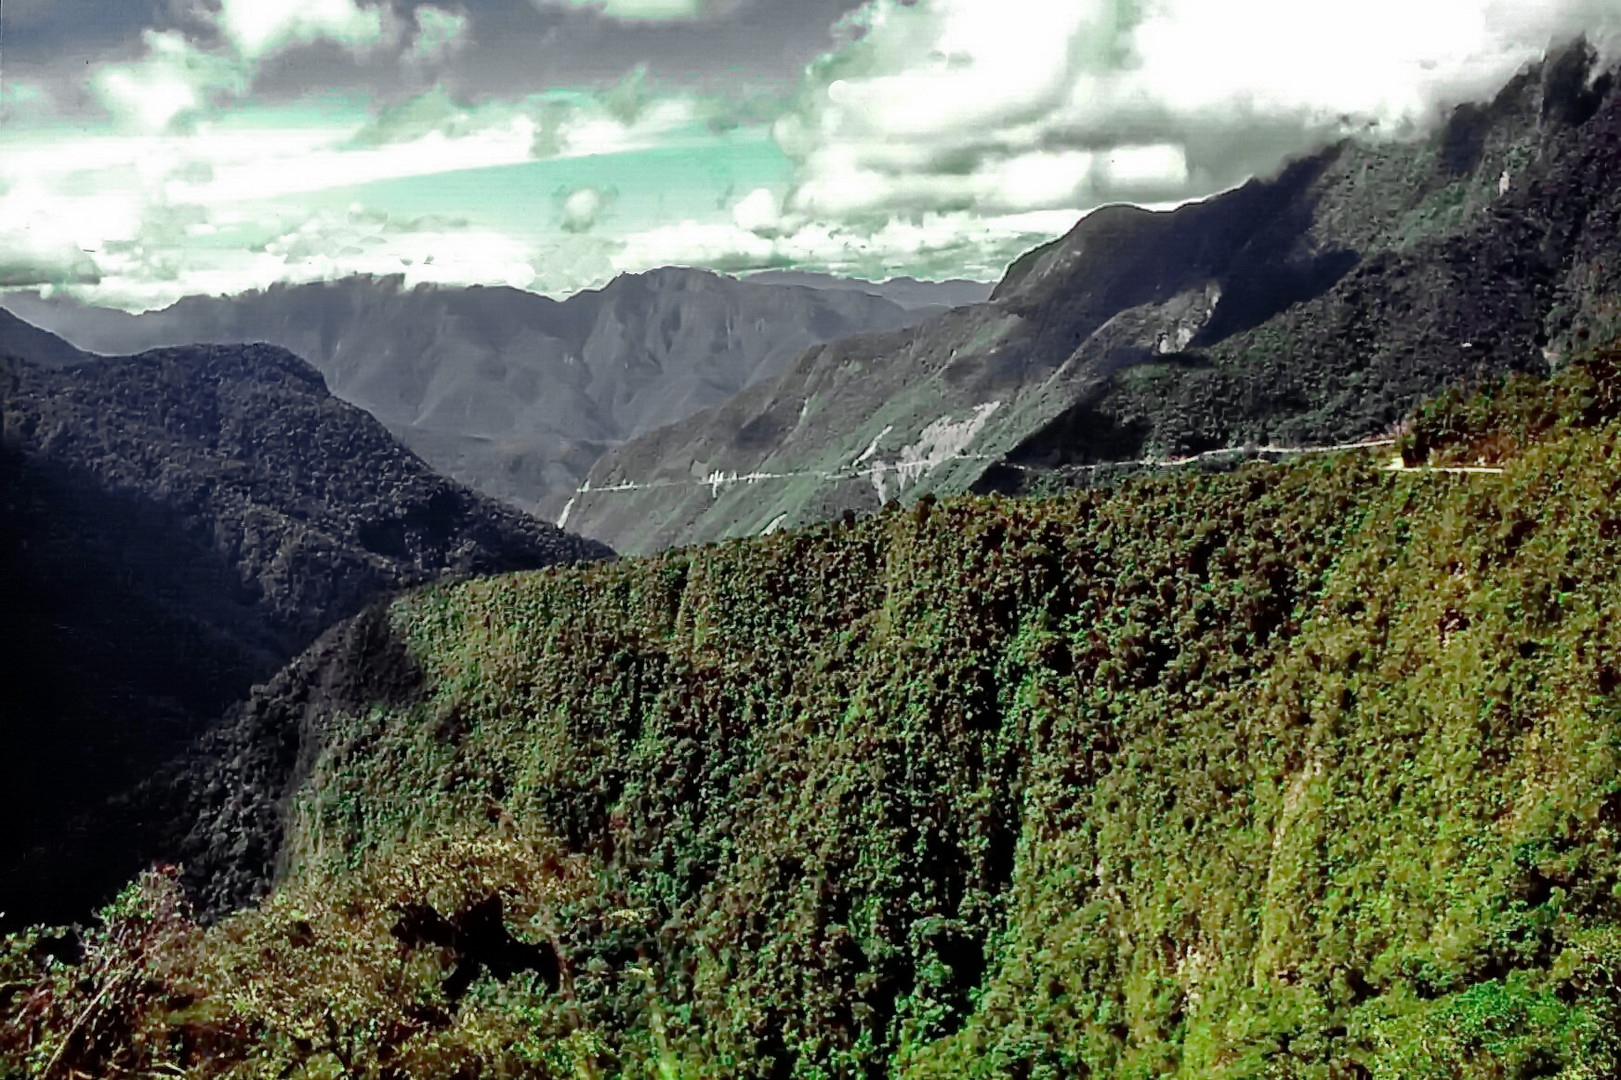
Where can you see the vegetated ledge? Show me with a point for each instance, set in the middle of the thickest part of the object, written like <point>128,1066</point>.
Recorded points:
<point>1304,770</point>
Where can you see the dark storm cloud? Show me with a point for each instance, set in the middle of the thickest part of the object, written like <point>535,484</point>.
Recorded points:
<point>512,48</point>
<point>54,44</point>
<point>516,48</point>
<point>40,31</point>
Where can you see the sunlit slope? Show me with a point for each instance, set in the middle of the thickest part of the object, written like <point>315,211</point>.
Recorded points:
<point>1305,770</point>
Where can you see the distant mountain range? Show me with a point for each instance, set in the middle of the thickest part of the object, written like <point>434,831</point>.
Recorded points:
<point>908,292</point>
<point>175,527</point>
<point>517,394</point>
<point>1313,307</point>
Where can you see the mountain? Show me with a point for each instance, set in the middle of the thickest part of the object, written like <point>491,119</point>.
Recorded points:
<point>176,527</point>
<point>1301,770</point>
<point>512,393</point>
<point>1314,307</point>
<point>21,338</point>
<point>908,292</point>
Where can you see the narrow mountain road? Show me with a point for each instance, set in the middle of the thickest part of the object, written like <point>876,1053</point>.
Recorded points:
<point>718,481</point>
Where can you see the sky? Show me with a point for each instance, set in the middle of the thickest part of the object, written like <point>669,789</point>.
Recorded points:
<point>151,149</point>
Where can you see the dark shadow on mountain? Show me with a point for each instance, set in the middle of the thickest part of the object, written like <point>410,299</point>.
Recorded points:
<point>177,526</point>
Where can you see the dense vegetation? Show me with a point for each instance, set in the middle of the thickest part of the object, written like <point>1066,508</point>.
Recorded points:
<point>1293,771</point>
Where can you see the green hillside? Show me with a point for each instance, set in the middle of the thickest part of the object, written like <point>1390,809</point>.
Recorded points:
<point>1302,770</point>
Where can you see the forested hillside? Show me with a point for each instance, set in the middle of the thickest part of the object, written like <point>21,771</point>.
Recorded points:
<point>1302,770</point>
<point>174,528</point>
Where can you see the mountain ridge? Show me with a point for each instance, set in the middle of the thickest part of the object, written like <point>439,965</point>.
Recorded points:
<point>513,393</point>
<point>179,525</point>
<point>1314,307</point>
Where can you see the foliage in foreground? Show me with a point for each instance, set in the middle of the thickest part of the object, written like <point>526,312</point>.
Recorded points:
<point>330,978</point>
<point>1304,771</point>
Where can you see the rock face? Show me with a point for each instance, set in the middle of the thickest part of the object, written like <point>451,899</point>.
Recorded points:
<point>1313,307</point>
<point>509,392</point>
<point>176,527</point>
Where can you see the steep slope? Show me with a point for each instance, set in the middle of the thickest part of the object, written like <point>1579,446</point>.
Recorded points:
<point>177,525</point>
<point>1311,308</point>
<point>20,338</point>
<point>1297,771</point>
<point>509,392</point>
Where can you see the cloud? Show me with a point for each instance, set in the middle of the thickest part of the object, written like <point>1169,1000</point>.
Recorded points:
<point>761,236</point>
<point>428,249</point>
<point>174,79</point>
<point>25,263</point>
<point>627,99</point>
<point>659,10</point>
<point>760,211</point>
<point>431,112</point>
<point>144,219</point>
<point>169,257</point>
<point>940,106</point>
<point>937,137</point>
<point>581,208</point>
<point>24,103</point>
<point>717,245</point>
<point>257,28</point>
<point>558,124</point>
<point>52,238</point>
<point>439,33</point>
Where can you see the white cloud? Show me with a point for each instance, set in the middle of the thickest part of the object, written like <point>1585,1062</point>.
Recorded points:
<point>360,242</point>
<point>581,208</point>
<point>30,261</point>
<point>24,103</point>
<point>144,215</point>
<point>694,243</point>
<point>257,28</point>
<point>939,138</point>
<point>760,211</point>
<point>947,105</point>
<point>166,262</point>
<point>174,79</point>
<point>929,245</point>
<point>332,165</point>
<point>550,126</point>
<point>150,217</point>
